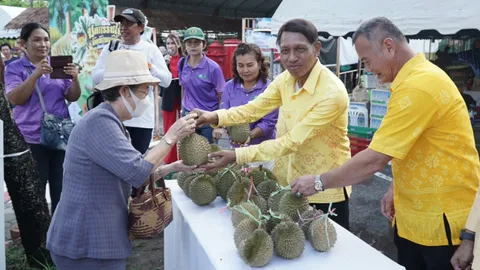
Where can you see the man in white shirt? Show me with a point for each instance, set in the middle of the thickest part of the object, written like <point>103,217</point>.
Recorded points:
<point>133,23</point>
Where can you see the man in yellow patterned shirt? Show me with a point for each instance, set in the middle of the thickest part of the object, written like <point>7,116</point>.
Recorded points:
<point>314,109</point>
<point>428,136</point>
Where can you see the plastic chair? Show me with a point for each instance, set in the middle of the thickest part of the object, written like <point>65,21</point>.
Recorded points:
<point>355,112</point>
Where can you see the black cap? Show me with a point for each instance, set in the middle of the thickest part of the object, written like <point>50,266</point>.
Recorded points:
<point>131,14</point>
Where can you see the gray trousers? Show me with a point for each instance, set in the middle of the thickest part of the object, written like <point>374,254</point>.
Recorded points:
<point>65,263</point>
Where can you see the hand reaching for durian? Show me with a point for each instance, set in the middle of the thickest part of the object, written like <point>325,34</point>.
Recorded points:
<point>221,160</point>
<point>304,185</point>
<point>204,117</point>
<point>217,133</point>
<point>182,127</point>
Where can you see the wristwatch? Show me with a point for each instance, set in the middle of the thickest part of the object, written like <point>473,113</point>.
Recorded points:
<point>464,235</point>
<point>167,140</point>
<point>318,183</point>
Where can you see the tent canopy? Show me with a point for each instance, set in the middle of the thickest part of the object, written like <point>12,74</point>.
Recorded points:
<point>6,15</point>
<point>235,9</point>
<point>417,19</point>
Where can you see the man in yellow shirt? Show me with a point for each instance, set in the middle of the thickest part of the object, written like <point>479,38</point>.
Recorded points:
<point>314,108</point>
<point>428,136</point>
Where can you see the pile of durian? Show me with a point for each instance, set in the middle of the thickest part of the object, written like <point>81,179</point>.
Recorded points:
<point>268,219</point>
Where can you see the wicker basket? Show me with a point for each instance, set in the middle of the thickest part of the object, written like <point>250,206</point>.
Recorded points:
<point>150,212</point>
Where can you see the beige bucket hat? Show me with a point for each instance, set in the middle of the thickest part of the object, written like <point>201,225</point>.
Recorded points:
<point>124,67</point>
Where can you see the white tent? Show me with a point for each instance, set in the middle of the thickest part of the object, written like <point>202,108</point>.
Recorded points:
<point>341,18</point>
<point>6,15</point>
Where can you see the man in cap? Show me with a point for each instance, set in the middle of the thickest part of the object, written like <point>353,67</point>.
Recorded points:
<point>201,78</point>
<point>133,23</point>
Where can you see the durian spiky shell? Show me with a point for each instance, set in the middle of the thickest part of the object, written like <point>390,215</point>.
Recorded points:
<point>243,230</point>
<point>202,191</point>
<point>260,175</point>
<point>181,177</point>
<point>292,206</point>
<point>260,202</point>
<point>186,184</point>
<point>266,188</point>
<point>257,249</point>
<point>317,234</point>
<point>306,219</point>
<point>274,221</point>
<point>238,216</point>
<point>194,150</point>
<point>288,240</point>
<point>239,133</point>
<point>225,180</point>
<point>274,201</point>
<point>215,148</point>
<point>238,192</point>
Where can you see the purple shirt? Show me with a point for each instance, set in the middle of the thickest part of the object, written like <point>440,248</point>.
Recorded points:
<point>201,84</point>
<point>235,95</point>
<point>29,115</point>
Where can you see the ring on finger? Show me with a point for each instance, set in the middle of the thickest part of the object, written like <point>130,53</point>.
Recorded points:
<point>298,195</point>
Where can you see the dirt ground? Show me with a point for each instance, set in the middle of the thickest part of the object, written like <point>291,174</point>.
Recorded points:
<point>147,255</point>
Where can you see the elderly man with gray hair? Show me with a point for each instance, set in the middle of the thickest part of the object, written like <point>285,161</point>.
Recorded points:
<point>428,136</point>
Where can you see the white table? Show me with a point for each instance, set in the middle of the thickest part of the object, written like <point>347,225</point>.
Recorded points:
<point>201,238</point>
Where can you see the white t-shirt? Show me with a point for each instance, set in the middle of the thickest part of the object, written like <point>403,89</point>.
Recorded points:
<point>159,70</point>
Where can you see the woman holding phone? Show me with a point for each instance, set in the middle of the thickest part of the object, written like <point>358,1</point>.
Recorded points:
<point>172,95</point>
<point>21,79</point>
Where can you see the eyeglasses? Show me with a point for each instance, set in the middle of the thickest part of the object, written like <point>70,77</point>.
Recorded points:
<point>193,43</point>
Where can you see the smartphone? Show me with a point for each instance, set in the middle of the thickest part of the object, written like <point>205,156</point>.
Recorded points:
<point>58,63</point>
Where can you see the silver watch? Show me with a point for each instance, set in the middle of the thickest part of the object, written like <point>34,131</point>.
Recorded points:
<point>318,183</point>
<point>167,140</point>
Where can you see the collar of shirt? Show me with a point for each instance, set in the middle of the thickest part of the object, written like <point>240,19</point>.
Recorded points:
<point>311,82</point>
<point>260,85</point>
<point>406,69</point>
<point>202,64</point>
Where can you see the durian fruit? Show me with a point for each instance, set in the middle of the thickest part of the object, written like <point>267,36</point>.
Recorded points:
<point>238,192</point>
<point>215,148</point>
<point>257,249</point>
<point>244,229</point>
<point>266,188</point>
<point>186,183</point>
<point>202,191</point>
<point>260,202</point>
<point>274,220</point>
<point>239,212</point>
<point>239,133</point>
<point>288,240</point>
<point>274,200</point>
<point>225,179</point>
<point>181,177</point>
<point>293,206</point>
<point>322,234</point>
<point>194,150</point>
<point>260,175</point>
<point>307,217</point>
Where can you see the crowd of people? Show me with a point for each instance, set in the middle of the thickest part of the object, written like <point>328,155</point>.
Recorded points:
<point>298,122</point>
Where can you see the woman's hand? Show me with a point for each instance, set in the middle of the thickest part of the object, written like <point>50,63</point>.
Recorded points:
<point>42,68</point>
<point>217,133</point>
<point>178,166</point>
<point>72,70</point>
<point>182,127</point>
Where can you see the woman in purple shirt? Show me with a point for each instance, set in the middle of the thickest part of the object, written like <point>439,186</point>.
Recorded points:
<point>250,80</point>
<point>20,79</point>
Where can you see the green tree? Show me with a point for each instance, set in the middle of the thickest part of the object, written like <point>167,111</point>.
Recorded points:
<point>24,3</point>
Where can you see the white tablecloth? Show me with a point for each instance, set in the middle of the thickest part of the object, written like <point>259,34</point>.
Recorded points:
<point>201,238</point>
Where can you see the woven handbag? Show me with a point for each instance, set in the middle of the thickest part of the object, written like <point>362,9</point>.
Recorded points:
<point>150,212</point>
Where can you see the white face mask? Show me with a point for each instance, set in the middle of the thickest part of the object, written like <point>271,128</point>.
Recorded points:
<point>140,104</point>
